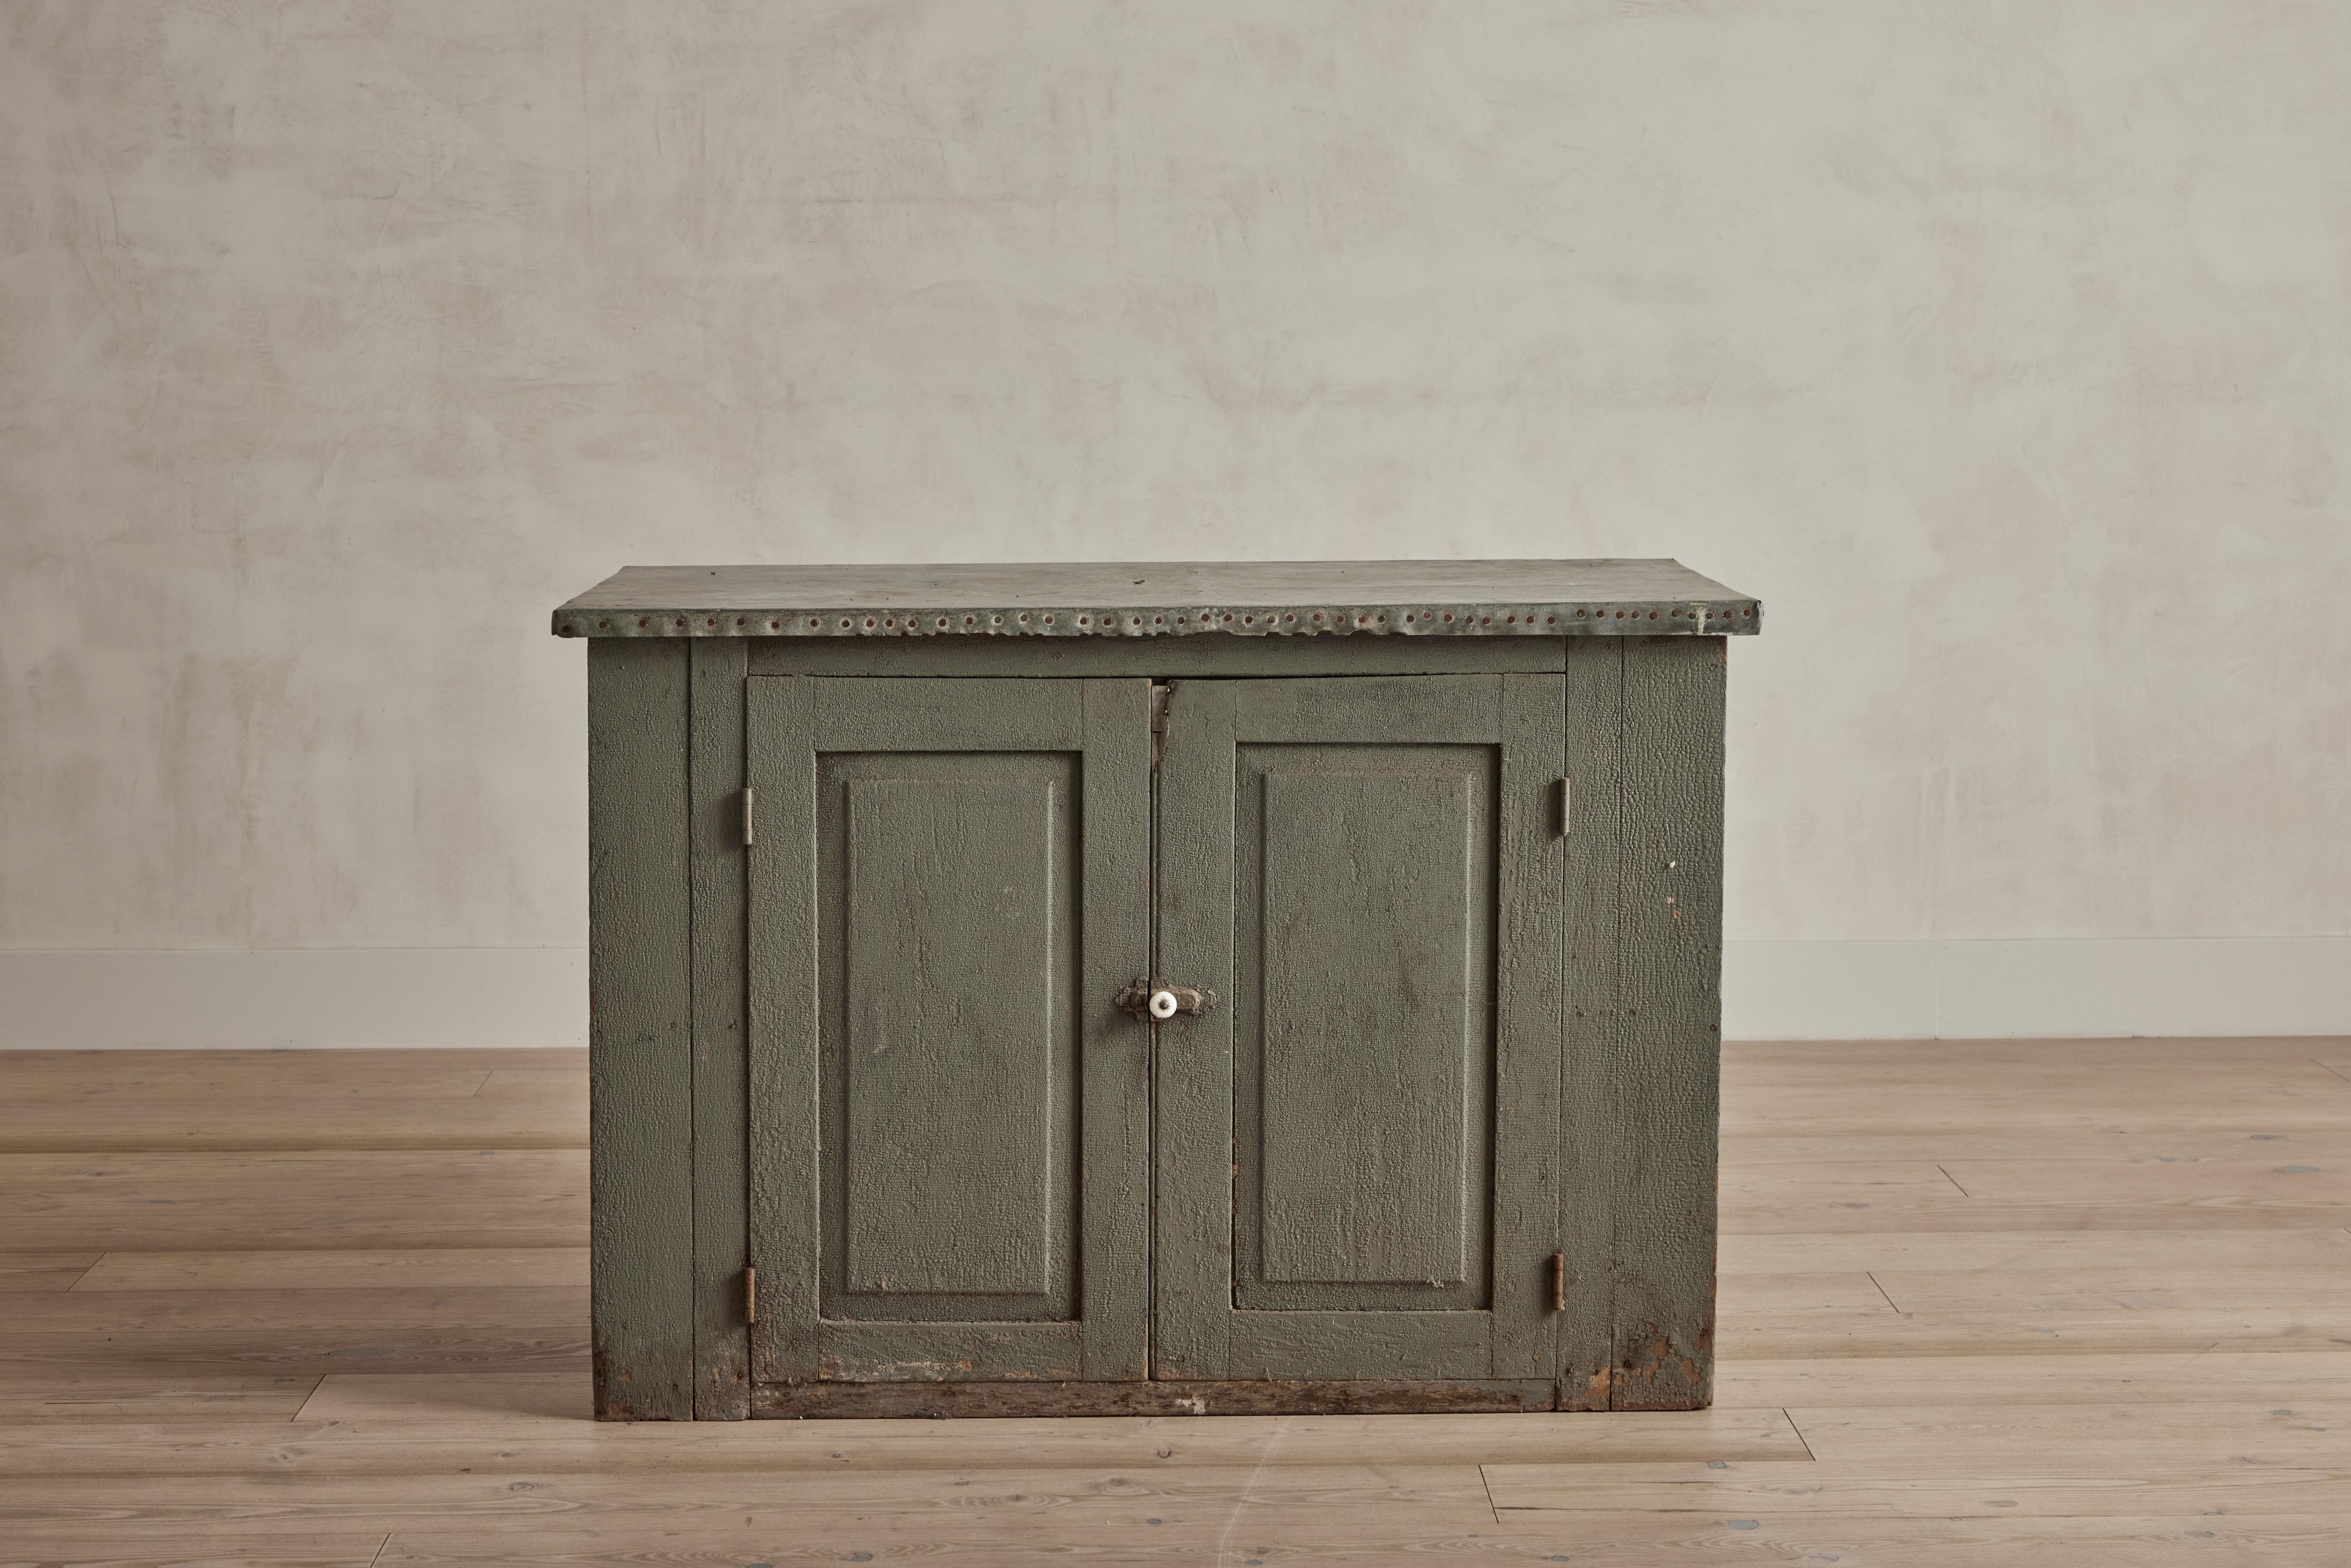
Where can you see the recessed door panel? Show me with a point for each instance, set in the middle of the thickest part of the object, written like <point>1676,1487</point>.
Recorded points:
<point>950,1032</point>
<point>1364,1089</point>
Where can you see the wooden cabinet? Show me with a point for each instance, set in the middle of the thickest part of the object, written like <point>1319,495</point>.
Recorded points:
<point>1420,862</point>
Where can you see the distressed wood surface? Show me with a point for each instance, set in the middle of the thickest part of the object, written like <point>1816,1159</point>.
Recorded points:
<point>948,894</point>
<point>1662,1126</point>
<point>1263,1396</point>
<point>1594,1060</point>
<point>784,1205</point>
<point>1368,971</point>
<point>1191,1103</point>
<point>1114,1048</point>
<point>722,1352</point>
<point>1330,855</point>
<point>1530,975</point>
<point>641,1031</point>
<point>943,1025</point>
<point>1162,599</point>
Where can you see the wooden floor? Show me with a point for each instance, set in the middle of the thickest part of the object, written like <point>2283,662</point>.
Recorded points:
<point>1994,1305</point>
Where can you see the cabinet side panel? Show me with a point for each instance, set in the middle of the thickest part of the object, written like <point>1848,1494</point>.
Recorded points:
<point>1593,1023</point>
<point>722,1381</point>
<point>639,1075</point>
<point>1672,967</point>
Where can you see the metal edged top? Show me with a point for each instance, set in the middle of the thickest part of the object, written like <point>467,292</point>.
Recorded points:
<point>1165,598</point>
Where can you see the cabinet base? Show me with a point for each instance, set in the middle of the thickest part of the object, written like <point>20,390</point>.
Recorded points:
<point>803,1401</point>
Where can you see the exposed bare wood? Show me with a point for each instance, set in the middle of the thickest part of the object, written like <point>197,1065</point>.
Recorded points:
<point>1168,1397</point>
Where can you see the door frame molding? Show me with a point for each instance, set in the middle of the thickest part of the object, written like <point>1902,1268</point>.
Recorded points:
<point>788,721</point>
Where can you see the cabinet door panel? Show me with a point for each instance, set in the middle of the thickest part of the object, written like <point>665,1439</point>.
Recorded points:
<point>949,1032</point>
<point>948,1127</point>
<point>1366,873</point>
<point>1369,871</point>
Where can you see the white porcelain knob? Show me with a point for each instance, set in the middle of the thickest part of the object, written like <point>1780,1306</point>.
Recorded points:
<point>1163,1004</point>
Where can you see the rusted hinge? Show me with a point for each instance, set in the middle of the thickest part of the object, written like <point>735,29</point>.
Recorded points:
<point>1159,694</point>
<point>750,1296</point>
<point>1559,1282</point>
<point>749,801</point>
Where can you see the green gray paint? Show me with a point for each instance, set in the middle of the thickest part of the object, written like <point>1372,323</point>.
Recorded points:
<point>875,1054</point>
<point>722,1385</point>
<point>641,1030</point>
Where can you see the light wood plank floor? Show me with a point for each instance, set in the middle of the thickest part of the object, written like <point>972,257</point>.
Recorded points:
<point>1991,1305</point>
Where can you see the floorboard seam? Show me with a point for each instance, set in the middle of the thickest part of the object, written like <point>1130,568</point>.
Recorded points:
<point>1790,1417</point>
<point>1486,1482</point>
<point>1955,1182</point>
<point>1225,1541</point>
<point>306,1404</point>
<point>1882,1291</point>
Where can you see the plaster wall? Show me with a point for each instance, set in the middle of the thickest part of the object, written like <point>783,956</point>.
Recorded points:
<point>2002,348</point>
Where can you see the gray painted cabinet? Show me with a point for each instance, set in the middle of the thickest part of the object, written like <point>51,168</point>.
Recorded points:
<point>1156,987</point>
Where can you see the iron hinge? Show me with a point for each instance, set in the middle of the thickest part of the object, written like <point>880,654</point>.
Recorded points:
<point>1159,694</point>
<point>1559,1282</point>
<point>1566,807</point>
<point>751,802</point>
<point>750,1296</point>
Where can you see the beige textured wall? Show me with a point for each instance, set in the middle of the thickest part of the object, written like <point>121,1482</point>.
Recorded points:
<point>2003,348</point>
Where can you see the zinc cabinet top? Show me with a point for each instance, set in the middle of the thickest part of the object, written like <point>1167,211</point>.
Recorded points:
<point>1165,599</point>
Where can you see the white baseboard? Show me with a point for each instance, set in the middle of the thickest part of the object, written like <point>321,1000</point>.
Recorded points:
<point>81,1000</point>
<point>2050,988</point>
<point>1772,991</point>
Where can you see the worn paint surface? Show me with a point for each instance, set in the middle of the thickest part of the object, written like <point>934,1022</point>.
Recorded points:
<point>1594,1058</point>
<point>1363,1086</point>
<point>1267,1397</point>
<point>722,1367</point>
<point>952,874</point>
<point>1663,1130</point>
<point>640,1049</point>
<point>1515,982</point>
<point>1371,1152</point>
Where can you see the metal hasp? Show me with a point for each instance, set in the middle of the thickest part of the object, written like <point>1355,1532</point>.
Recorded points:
<point>1156,999</point>
<point>1415,865</point>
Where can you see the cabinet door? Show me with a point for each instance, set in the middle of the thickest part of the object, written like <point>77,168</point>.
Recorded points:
<point>949,1135</point>
<point>1357,1147</point>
